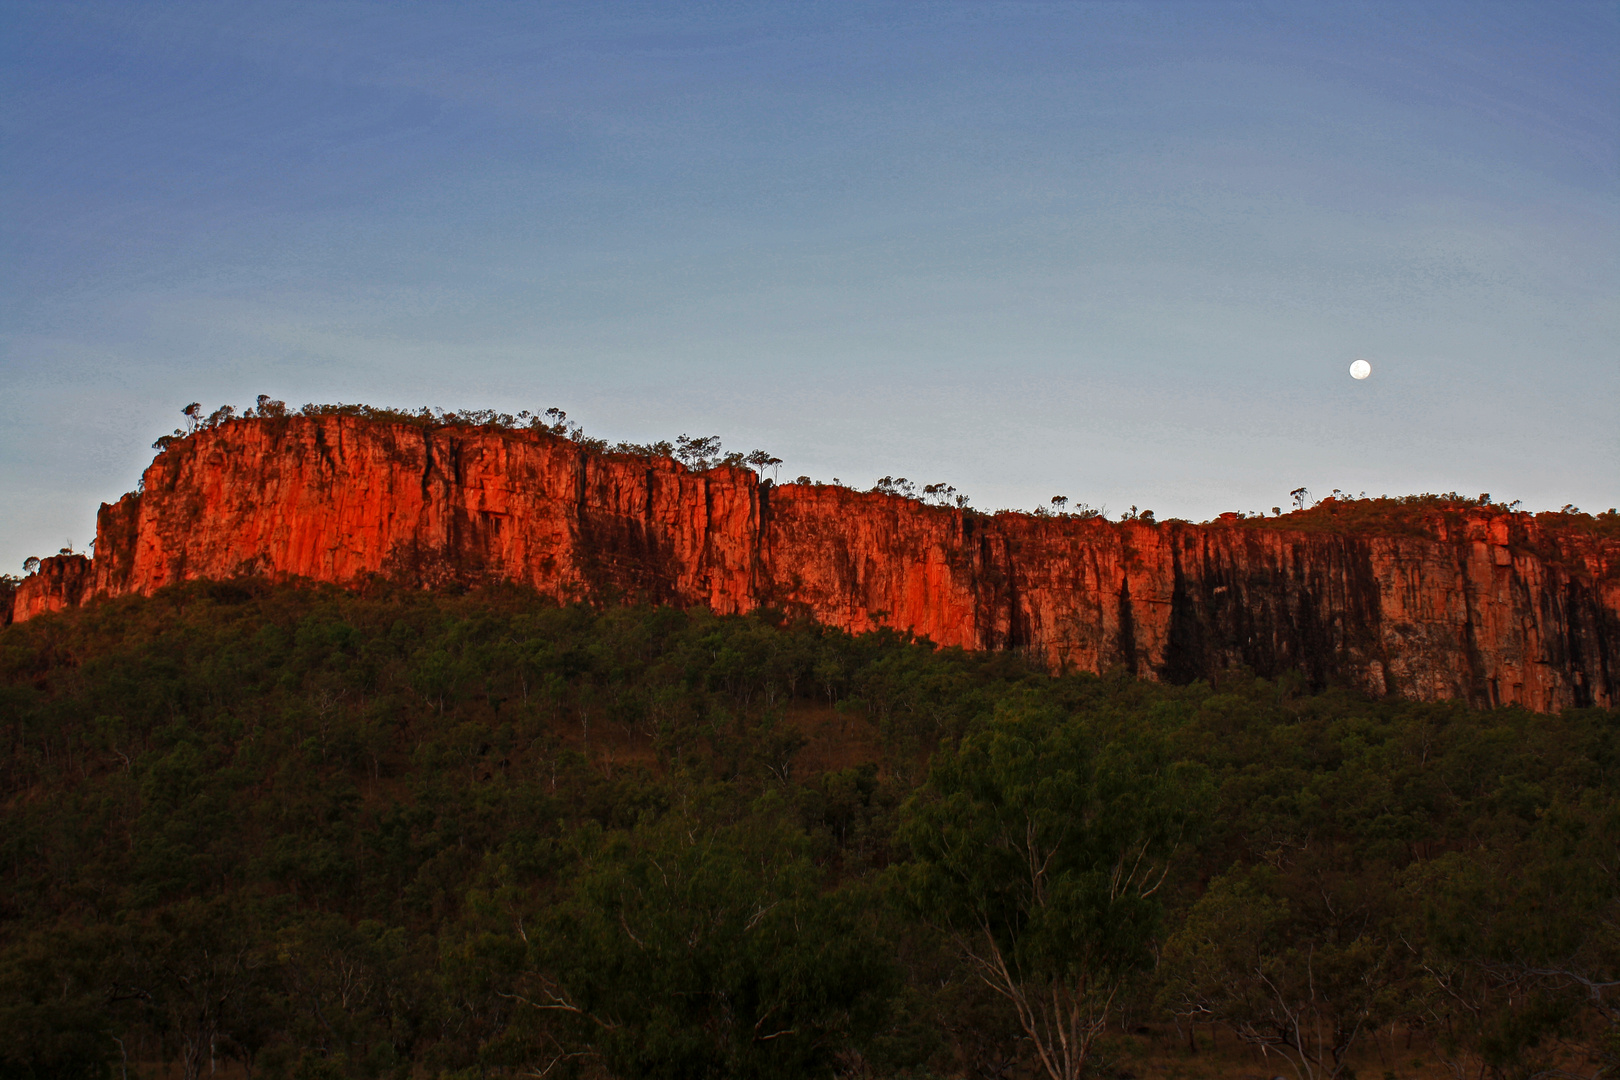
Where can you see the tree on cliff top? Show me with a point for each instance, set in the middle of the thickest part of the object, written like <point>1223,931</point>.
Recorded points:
<point>697,453</point>
<point>893,485</point>
<point>762,460</point>
<point>266,406</point>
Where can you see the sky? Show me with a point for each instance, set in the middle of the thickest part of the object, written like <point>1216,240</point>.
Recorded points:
<point>1121,252</point>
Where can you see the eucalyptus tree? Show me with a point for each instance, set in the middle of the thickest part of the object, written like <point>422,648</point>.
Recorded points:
<point>1293,962</point>
<point>697,453</point>
<point>760,460</point>
<point>1039,847</point>
<point>688,950</point>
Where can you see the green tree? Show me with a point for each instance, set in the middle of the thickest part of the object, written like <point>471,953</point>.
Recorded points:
<point>1521,946</point>
<point>55,1015</point>
<point>1299,979</point>
<point>685,950</point>
<point>198,967</point>
<point>348,989</point>
<point>1039,846</point>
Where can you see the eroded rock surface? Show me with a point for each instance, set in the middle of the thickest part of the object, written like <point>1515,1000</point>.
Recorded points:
<point>1478,603</point>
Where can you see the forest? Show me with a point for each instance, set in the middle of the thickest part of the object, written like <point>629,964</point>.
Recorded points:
<point>293,832</point>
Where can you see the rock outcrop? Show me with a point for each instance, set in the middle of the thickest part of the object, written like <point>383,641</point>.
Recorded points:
<point>1434,602</point>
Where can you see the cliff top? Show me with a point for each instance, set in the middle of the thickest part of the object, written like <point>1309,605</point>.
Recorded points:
<point>1432,515</point>
<point>1432,596</point>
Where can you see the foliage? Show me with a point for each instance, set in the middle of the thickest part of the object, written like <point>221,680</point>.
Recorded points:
<point>1040,843</point>
<point>1288,971</point>
<point>1385,515</point>
<point>698,454</point>
<point>689,950</point>
<point>1418,515</point>
<point>366,834</point>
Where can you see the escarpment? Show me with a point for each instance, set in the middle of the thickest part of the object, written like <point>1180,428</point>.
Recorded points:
<point>1469,602</point>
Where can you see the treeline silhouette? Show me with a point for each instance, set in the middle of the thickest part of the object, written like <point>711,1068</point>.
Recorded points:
<point>299,832</point>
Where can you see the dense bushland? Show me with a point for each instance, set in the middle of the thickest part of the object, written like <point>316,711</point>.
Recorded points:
<point>309,833</point>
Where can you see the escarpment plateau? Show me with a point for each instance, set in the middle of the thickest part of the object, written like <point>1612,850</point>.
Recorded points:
<point>1437,602</point>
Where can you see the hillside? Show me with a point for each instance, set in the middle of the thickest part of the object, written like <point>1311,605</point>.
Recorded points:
<point>1429,599</point>
<point>304,832</point>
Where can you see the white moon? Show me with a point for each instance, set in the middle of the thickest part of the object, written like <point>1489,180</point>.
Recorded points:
<point>1360,369</point>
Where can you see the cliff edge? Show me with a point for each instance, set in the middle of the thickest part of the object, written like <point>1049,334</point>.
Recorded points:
<point>1435,602</point>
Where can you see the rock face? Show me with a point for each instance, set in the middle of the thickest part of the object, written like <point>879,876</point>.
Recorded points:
<point>62,581</point>
<point>1474,603</point>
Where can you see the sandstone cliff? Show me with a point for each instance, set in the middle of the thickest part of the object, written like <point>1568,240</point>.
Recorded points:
<point>1474,603</point>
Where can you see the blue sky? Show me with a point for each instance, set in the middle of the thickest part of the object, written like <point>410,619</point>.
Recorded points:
<point>1122,252</point>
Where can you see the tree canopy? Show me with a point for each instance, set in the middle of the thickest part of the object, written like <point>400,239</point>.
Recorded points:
<point>315,833</point>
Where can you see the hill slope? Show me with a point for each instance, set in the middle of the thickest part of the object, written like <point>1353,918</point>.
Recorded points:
<point>1433,601</point>
<point>362,834</point>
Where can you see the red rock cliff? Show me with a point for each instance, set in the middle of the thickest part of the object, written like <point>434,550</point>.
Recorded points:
<point>1478,603</point>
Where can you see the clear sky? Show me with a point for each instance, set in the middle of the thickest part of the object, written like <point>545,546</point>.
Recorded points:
<point>1123,252</point>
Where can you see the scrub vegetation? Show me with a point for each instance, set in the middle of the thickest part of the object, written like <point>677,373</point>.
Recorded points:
<point>1338,512</point>
<point>289,831</point>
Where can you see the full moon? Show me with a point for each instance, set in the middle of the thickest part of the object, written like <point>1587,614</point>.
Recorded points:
<point>1360,369</point>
